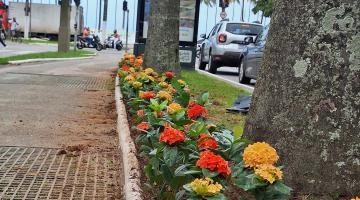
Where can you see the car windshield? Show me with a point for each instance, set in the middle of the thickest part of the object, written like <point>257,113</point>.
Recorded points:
<point>243,29</point>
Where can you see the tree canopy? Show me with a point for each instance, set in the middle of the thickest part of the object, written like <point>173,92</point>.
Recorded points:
<point>265,6</point>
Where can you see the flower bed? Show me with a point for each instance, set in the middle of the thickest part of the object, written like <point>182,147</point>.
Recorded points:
<point>186,156</point>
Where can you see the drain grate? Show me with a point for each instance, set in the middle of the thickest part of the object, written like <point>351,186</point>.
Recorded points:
<point>38,173</point>
<point>87,83</point>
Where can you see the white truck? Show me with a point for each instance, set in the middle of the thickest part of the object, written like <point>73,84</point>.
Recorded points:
<point>44,18</point>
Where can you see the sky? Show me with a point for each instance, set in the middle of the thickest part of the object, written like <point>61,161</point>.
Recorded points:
<point>207,18</point>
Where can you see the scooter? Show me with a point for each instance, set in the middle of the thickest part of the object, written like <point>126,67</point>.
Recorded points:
<point>109,43</point>
<point>83,43</point>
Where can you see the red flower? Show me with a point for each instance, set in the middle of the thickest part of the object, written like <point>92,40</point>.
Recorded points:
<point>140,113</point>
<point>195,111</point>
<point>207,142</point>
<point>213,162</point>
<point>125,68</point>
<point>143,126</point>
<point>147,95</point>
<point>169,74</point>
<point>171,135</point>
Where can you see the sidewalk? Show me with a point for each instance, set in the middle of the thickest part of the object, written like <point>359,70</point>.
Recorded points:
<point>58,131</point>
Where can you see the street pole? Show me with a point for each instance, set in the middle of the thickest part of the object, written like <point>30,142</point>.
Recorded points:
<point>99,25</point>
<point>127,32</point>
<point>76,26</point>
<point>115,26</point>
<point>104,24</point>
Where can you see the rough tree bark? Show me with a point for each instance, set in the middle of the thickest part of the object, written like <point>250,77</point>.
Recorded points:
<point>64,29</point>
<point>162,44</point>
<point>307,99</point>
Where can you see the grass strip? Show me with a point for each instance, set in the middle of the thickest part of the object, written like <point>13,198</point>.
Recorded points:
<point>52,54</point>
<point>222,96</point>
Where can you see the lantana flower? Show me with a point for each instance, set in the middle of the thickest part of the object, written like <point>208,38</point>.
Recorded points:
<point>181,82</point>
<point>195,111</point>
<point>140,113</point>
<point>136,84</point>
<point>269,173</point>
<point>125,68</point>
<point>205,187</point>
<point>259,153</point>
<point>171,135</point>
<point>163,95</point>
<point>148,71</point>
<point>169,74</point>
<point>163,84</point>
<point>173,108</point>
<point>356,198</point>
<point>147,95</point>
<point>143,126</point>
<point>205,141</point>
<point>213,162</point>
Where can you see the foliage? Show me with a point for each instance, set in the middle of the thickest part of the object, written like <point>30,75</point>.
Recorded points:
<point>265,6</point>
<point>188,157</point>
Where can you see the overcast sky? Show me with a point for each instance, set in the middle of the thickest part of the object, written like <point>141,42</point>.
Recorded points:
<point>208,15</point>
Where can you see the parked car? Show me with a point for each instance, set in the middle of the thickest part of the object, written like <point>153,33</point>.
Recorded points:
<point>250,60</point>
<point>224,44</point>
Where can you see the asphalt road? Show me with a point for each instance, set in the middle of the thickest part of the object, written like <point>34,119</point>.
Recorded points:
<point>231,74</point>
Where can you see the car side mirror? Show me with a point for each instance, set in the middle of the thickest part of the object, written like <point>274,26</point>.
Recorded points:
<point>203,36</point>
<point>249,40</point>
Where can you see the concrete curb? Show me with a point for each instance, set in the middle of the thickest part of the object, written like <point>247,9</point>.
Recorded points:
<point>16,62</point>
<point>243,86</point>
<point>132,189</point>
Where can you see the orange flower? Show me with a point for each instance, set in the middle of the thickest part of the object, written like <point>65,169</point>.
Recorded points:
<point>171,135</point>
<point>138,62</point>
<point>140,113</point>
<point>143,126</point>
<point>195,111</point>
<point>147,95</point>
<point>207,142</point>
<point>213,162</point>
<point>125,68</point>
<point>169,74</point>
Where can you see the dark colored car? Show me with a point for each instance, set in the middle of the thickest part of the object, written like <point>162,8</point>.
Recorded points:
<point>250,62</point>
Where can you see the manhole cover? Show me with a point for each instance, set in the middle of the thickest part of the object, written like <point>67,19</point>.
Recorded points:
<point>39,173</point>
<point>87,83</point>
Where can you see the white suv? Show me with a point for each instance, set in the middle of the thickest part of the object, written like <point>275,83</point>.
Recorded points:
<point>225,43</point>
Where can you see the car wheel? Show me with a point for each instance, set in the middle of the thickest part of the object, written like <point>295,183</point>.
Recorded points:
<point>242,76</point>
<point>212,65</point>
<point>202,64</point>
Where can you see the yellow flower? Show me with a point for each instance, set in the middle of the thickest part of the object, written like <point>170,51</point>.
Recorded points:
<point>269,173</point>
<point>258,154</point>
<point>129,78</point>
<point>136,84</point>
<point>151,78</point>
<point>173,108</point>
<point>181,82</point>
<point>131,69</point>
<point>205,187</point>
<point>187,89</point>
<point>149,71</point>
<point>163,84</point>
<point>165,96</point>
<point>356,198</point>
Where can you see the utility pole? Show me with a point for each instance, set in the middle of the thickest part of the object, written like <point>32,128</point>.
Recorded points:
<point>125,8</point>
<point>99,25</point>
<point>64,29</point>
<point>104,24</point>
<point>127,32</point>
<point>115,26</point>
<point>27,19</point>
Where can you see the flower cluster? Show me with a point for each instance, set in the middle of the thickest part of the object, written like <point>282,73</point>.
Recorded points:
<point>262,157</point>
<point>213,162</point>
<point>205,187</point>
<point>175,138</point>
<point>171,135</point>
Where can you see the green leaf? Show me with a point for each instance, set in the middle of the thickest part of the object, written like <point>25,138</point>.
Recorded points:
<point>238,132</point>
<point>170,155</point>
<point>219,196</point>
<point>180,194</point>
<point>179,115</point>
<point>180,170</point>
<point>209,174</point>
<point>168,177</point>
<point>190,172</point>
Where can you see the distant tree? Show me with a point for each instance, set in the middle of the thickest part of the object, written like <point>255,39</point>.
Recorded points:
<point>265,6</point>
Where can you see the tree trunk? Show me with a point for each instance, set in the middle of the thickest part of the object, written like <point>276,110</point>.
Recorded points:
<point>162,44</point>
<point>307,99</point>
<point>64,29</point>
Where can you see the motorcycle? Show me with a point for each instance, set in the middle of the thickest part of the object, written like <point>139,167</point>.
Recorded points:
<point>95,43</point>
<point>109,43</point>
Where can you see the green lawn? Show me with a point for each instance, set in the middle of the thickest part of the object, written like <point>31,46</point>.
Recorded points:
<point>222,96</point>
<point>39,41</point>
<point>52,54</point>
